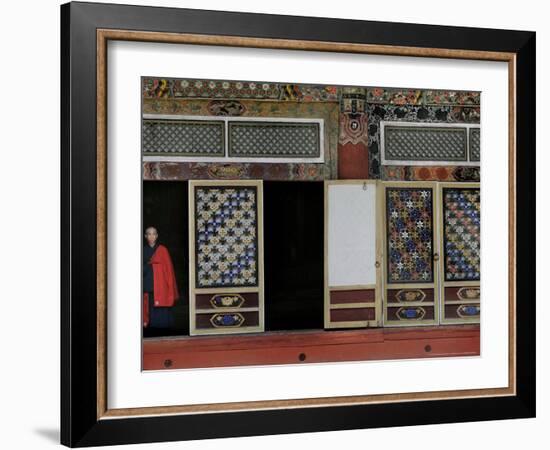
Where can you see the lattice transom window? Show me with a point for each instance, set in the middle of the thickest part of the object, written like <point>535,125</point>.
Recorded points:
<point>198,138</point>
<point>274,139</point>
<point>183,137</point>
<point>406,143</point>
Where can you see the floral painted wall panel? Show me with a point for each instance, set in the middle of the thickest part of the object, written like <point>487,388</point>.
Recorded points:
<point>327,111</point>
<point>423,111</point>
<point>352,128</point>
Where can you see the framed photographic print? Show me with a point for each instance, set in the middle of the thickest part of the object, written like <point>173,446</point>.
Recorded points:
<point>277,224</point>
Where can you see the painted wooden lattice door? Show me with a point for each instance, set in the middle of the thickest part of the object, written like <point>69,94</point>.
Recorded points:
<point>226,281</point>
<point>411,288</point>
<point>460,251</point>
<point>351,254</point>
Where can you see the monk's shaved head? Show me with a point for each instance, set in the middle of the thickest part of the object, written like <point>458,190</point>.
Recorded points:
<point>151,235</point>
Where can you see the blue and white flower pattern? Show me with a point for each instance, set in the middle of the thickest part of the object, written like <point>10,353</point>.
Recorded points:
<point>226,236</point>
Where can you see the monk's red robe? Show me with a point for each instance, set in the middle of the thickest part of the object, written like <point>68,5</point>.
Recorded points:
<point>164,284</point>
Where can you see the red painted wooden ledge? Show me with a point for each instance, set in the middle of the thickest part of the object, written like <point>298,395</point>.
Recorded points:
<point>315,346</point>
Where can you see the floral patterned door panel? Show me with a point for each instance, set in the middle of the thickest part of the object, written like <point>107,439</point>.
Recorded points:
<point>226,257</point>
<point>460,250</point>
<point>410,272</point>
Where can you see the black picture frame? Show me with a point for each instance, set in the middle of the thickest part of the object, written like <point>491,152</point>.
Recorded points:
<point>80,425</point>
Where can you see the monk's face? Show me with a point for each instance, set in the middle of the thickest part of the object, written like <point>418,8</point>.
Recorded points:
<point>151,235</point>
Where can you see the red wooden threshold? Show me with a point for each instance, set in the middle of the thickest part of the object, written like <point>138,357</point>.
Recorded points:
<point>314,346</point>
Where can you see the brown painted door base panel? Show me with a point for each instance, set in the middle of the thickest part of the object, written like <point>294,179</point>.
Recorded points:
<point>310,347</point>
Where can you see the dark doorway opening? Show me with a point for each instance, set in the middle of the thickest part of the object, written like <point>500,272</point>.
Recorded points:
<point>293,247</point>
<point>293,251</point>
<point>165,207</point>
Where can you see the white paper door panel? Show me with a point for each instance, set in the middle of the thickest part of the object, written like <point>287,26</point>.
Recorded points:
<point>351,234</point>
